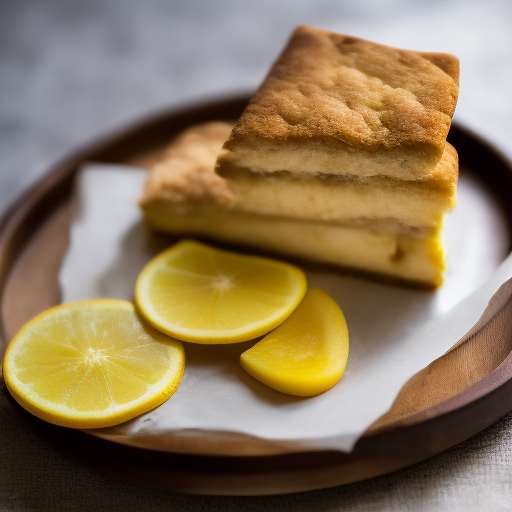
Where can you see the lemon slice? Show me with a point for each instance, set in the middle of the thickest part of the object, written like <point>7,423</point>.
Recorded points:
<point>307,354</point>
<point>91,364</point>
<point>205,295</point>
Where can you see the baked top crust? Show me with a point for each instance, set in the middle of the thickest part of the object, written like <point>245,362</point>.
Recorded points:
<point>335,89</point>
<point>186,170</point>
<point>446,173</point>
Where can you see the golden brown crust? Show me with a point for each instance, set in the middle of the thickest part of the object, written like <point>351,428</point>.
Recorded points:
<point>336,89</point>
<point>446,172</point>
<point>186,170</point>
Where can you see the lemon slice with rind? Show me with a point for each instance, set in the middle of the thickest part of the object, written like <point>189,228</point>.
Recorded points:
<point>201,294</point>
<point>307,354</point>
<point>92,364</point>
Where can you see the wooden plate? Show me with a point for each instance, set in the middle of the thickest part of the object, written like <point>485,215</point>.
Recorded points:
<point>452,399</point>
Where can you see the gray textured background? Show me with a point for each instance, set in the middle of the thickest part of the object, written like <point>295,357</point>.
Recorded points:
<point>71,70</point>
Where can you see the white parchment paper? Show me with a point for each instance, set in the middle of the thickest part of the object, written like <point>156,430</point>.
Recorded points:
<point>394,332</point>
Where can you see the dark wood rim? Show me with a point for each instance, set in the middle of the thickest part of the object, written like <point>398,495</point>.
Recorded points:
<point>23,217</point>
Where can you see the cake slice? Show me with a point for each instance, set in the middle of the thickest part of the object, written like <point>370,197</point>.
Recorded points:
<point>340,157</point>
<point>183,195</point>
<point>339,105</point>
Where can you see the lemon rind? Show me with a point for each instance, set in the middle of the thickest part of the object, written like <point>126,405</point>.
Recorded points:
<point>61,415</point>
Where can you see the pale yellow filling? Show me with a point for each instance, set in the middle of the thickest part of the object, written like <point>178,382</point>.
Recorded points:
<point>415,259</point>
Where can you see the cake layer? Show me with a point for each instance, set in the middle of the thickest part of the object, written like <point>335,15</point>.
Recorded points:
<point>341,105</point>
<point>418,204</point>
<point>420,260</point>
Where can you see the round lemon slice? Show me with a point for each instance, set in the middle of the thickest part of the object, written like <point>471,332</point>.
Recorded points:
<point>307,354</point>
<point>91,364</point>
<point>205,295</point>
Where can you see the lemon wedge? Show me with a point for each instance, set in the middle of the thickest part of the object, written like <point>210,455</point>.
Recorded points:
<point>91,364</point>
<point>197,293</point>
<point>307,354</point>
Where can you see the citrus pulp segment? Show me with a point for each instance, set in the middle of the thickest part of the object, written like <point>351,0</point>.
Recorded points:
<point>201,294</point>
<point>92,364</point>
<point>307,354</point>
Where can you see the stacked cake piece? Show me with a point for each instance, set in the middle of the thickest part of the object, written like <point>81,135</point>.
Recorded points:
<point>340,157</point>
